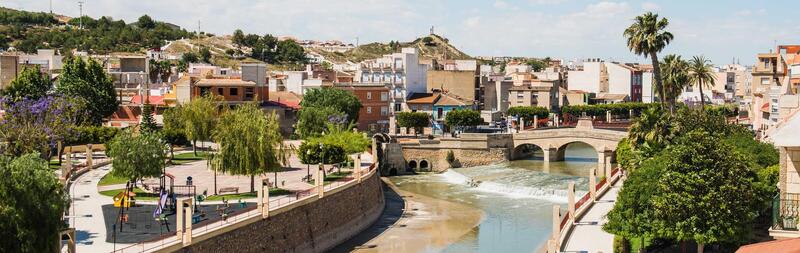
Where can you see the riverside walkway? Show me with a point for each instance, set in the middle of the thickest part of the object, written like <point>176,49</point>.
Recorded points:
<point>588,235</point>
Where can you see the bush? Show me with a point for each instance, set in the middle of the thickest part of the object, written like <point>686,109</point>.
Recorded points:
<point>417,120</point>
<point>463,118</point>
<point>621,245</point>
<point>93,135</point>
<point>528,112</point>
<point>619,109</point>
<point>310,153</point>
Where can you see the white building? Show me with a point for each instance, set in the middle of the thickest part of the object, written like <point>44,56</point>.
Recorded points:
<point>402,70</point>
<point>611,79</point>
<point>47,60</point>
<point>297,82</point>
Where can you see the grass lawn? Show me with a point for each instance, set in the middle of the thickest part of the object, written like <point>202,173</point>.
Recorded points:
<point>248,195</point>
<point>334,176</point>
<point>185,158</point>
<point>109,179</point>
<point>140,194</point>
<point>54,164</point>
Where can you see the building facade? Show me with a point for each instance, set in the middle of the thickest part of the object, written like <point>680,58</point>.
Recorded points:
<point>402,71</point>
<point>375,108</point>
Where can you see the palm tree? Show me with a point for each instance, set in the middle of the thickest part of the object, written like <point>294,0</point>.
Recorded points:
<point>647,37</point>
<point>650,130</point>
<point>675,78</point>
<point>700,72</point>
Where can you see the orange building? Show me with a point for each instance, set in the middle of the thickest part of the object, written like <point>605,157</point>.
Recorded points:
<point>233,90</point>
<point>374,97</point>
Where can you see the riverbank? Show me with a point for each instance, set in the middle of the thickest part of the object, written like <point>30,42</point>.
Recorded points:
<point>414,223</point>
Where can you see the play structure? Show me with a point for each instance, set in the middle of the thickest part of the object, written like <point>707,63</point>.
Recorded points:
<point>125,198</point>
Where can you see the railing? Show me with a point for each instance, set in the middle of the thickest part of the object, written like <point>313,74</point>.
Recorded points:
<point>582,201</point>
<point>564,221</point>
<point>246,213</point>
<point>600,184</point>
<point>786,211</point>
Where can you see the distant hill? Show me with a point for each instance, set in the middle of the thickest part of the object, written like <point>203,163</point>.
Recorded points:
<point>430,47</point>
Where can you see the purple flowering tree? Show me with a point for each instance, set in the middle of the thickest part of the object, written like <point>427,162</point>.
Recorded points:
<point>37,125</point>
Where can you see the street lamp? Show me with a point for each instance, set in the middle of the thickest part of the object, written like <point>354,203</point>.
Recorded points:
<point>308,166</point>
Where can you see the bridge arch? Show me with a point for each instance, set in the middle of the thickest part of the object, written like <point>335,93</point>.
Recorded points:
<point>424,165</point>
<point>561,151</point>
<point>412,165</point>
<point>526,150</point>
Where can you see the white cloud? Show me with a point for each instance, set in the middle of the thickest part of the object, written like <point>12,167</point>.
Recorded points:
<point>500,4</point>
<point>650,6</point>
<point>472,21</point>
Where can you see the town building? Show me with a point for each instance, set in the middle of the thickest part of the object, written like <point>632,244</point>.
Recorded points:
<point>772,80</point>
<point>495,92</point>
<point>459,78</point>
<point>375,111</point>
<point>402,71</point>
<point>785,218</point>
<point>529,90</point>
<point>612,82</point>
<point>45,60</point>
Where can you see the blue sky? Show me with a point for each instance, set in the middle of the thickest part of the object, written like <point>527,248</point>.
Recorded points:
<point>567,29</point>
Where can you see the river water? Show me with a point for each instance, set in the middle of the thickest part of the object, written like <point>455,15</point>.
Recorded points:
<point>516,198</point>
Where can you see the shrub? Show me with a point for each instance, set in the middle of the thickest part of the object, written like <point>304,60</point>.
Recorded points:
<point>417,120</point>
<point>528,112</point>
<point>619,109</point>
<point>621,245</point>
<point>463,118</point>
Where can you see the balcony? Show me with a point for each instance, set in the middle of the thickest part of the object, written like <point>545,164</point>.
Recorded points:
<point>785,216</point>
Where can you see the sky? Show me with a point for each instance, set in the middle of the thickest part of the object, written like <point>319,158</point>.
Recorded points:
<point>566,29</point>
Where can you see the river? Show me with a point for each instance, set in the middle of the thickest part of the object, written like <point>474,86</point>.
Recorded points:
<point>515,198</point>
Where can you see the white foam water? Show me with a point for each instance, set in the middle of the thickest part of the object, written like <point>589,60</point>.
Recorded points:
<point>508,190</point>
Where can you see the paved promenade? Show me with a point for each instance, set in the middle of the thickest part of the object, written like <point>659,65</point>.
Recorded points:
<point>588,235</point>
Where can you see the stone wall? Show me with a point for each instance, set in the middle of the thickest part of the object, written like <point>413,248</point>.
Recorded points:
<point>464,157</point>
<point>315,226</point>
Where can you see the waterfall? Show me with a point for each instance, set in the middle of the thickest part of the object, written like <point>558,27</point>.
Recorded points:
<point>508,189</point>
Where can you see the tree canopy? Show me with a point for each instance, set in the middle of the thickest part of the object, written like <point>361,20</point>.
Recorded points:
<point>463,118</point>
<point>32,202</point>
<point>136,156</point>
<point>528,112</point>
<point>38,125</point>
<point>416,120</point>
<point>647,36</point>
<point>340,100</point>
<point>200,117</point>
<point>90,82</point>
<point>250,143</point>
<point>30,84</point>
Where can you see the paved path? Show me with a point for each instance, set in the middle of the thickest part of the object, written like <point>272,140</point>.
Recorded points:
<point>90,229</point>
<point>588,235</point>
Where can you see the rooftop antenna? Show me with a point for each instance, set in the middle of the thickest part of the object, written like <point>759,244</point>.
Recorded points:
<point>80,6</point>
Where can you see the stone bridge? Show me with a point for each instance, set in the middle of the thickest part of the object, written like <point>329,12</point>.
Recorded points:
<point>404,156</point>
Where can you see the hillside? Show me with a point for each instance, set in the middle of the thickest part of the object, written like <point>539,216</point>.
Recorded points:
<point>436,47</point>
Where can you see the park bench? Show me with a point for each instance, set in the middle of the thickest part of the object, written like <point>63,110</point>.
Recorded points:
<point>228,190</point>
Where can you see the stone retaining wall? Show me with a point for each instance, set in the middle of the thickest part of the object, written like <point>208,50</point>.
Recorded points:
<point>315,226</point>
<point>464,157</point>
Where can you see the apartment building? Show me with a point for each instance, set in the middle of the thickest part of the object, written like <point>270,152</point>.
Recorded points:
<point>458,78</point>
<point>375,108</point>
<point>785,217</point>
<point>610,81</point>
<point>402,71</point>
<point>45,60</point>
<point>528,90</point>
<point>771,81</point>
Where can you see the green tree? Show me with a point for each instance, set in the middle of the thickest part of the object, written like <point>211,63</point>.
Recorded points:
<point>89,81</point>
<point>675,78</point>
<point>312,121</point>
<point>136,156</point>
<point>463,118</point>
<point>416,120</point>
<point>32,202</point>
<point>707,193</point>
<point>146,22</point>
<point>250,143</point>
<point>527,112</point>
<point>148,123</point>
<point>650,130</point>
<point>700,72</point>
<point>205,55</point>
<point>289,52</point>
<point>189,57</point>
<point>30,84</point>
<point>647,36</point>
<point>536,64</point>
<point>174,132</point>
<point>339,100</point>
<point>200,116</point>
<point>238,38</point>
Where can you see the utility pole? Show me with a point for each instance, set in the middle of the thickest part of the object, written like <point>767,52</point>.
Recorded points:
<point>51,6</point>
<point>80,6</point>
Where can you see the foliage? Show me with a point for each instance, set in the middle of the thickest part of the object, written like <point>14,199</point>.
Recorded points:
<point>621,245</point>
<point>632,214</point>
<point>250,143</point>
<point>536,64</point>
<point>148,123</point>
<point>726,110</point>
<point>32,202</point>
<point>707,193</point>
<point>136,156</point>
<point>30,84</point>
<point>701,73</point>
<point>101,36</point>
<point>268,49</point>
<point>675,77</point>
<point>463,118</point>
<point>190,57</point>
<point>626,157</point>
<point>92,135</point>
<point>528,112</point>
<point>650,131</point>
<point>647,36</point>
<point>340,100</point>
<point>159,70</point>
<point>351,142</point>
<point>146,22</point>
<point>200,116</point>
<point>89,81</point>
<point>38,125</point>
<point>330,153</point>
<point>174,131</point>
<point>417,120</point>
<point>289,52</point>
<point>205,55</point>
<point>599,110</point>
<point>312,121</point>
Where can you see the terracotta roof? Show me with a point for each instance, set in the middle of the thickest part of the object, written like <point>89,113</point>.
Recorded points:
<point>224,82</point>
<point>422,98</point>
<point>126,114</point>
<point>786,245</point>
<point>285,98</point>
<point>446,99</point>
<point>765,107</point>
<point>154,100</point>
<point>610,97</point>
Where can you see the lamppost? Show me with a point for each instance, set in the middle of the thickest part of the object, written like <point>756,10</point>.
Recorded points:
<point>308,166</point>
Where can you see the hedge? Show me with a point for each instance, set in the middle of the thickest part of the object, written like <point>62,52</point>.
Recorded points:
<point>620,109</point>
<point>528,112</point>
<point>92,135</point>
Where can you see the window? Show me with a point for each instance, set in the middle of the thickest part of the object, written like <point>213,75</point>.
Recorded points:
<point>384,96</point>
<point>413,107</point>
<point>398,107</point>
<point>248,93</point>
<point>233,91</point>
<point>766,62</point>
<point>223,72</point>
<point>369,95</point>
<point>765,81</point>
<point>204,90</point>
<point>220,91</point>
<point>369,109</point>
<point>384,110</point>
